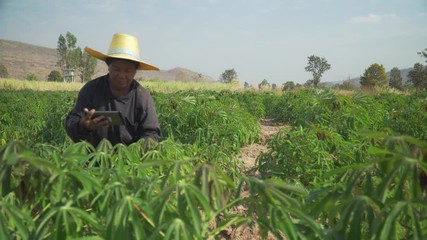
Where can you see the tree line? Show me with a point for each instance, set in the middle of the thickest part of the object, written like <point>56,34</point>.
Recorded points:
<point>72,57</point>
<point>374,76</point>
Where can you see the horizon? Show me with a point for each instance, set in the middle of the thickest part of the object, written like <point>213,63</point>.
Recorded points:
<point>260,40</point>
<point>179,67</point>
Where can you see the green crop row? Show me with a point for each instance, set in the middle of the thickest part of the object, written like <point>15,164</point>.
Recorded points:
<point>351,167</point>
<point>363,157</point>
<point>328,130</point>
<point>207,121</point>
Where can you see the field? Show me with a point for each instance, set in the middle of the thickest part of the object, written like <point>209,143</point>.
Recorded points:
<point>346,166</point>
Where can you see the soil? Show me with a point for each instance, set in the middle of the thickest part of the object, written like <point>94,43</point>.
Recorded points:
<point>248,156</point>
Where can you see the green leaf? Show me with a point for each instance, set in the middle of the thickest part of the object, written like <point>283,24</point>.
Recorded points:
<point>356,221</point>
<point>4,230</point>
<point>388,231</point>
<point>43,225</point>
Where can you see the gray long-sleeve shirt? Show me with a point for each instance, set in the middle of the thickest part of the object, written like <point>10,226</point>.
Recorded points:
<point>137,109</point>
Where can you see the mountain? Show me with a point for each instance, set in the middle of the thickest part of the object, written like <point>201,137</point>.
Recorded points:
<point>175,74</point>
<point>21,59</point>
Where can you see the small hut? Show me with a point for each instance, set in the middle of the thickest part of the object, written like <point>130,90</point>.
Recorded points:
<point>68,75</point>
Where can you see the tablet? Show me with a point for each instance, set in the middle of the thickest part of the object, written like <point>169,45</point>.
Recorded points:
<point>114,117</point>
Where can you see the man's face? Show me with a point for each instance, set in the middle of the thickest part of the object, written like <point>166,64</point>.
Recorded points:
<point>121,73</point>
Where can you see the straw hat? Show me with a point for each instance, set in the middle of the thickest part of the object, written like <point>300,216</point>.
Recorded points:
<point>123,46</point>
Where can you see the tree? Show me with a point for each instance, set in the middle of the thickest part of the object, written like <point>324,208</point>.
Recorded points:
<point>309,83</point>
<point>87,67</point>
<point>395,78</point>
<point>67,51</point>
<point>264,84</point>
<point>54,76</point>
<point>418,76</point>
<point>228,75</point>
<point>273,86</point>
<point>62,52</point>
<point>317,66</point>
<point>3,71</point>
<point>423,54</point>
<point>31,77</point>
<point>289,85</point>
<point>374,76</point>
<point>246,85</point>
<point>73,57</point>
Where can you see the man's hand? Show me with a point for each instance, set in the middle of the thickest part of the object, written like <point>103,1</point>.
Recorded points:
<point>92,121</point>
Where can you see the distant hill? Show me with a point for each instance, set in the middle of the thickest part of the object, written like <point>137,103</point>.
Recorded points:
<point>175,74</point>
<point>22,59</point>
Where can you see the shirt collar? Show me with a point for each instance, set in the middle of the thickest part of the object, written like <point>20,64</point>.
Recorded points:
<point>123,99</point>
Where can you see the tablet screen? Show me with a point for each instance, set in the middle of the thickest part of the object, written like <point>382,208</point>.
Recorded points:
<point>114,117</point>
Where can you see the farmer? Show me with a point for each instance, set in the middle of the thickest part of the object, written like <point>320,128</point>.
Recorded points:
<point>116,91</point>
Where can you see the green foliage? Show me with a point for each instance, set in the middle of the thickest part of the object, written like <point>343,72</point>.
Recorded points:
<point>289,85</point>
<point>282,210</point>
<point>378,199</point>
<point>326,108</point>
<point>264,84</point>
<point>87,67</point>
<point>34,117</point>
<point>328,134</point>
<point>418,76</point>
<point>364,184</point>
<point>395,78</point>
<point>228,76</point>
<point>351,167</point>
<point>31,77</point>
<point>54,76</point>
<point>252,102</point>
<point>205,120</point>
<point>309,83</point>
<point>3,71</point>
<point>72,57</point>
<point>67,51</point>
<point>423,54</point>
<point>120,191</point>
<point>317,66</point>
<point>112,192</point>
<point>407,115</point>
<point>374,76</point>
<point>306,155</point>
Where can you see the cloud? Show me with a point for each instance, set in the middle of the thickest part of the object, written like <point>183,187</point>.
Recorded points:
<point>371,18</point>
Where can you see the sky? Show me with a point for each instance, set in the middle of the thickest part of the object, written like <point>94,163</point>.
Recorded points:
<point>259,39</point>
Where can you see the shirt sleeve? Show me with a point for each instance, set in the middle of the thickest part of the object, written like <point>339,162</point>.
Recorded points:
<point>149,126</point>
<point>73,126</point>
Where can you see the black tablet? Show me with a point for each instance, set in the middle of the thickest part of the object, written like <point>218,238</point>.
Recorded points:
<point>114,117</point>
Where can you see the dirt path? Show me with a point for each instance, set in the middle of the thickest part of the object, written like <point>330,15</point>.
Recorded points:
<point>248,156</point>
